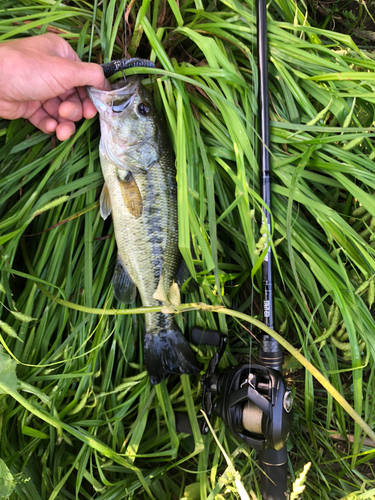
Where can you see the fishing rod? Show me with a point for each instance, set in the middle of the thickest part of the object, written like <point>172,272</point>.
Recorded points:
<point>272,461</point>
<point>253,400</point>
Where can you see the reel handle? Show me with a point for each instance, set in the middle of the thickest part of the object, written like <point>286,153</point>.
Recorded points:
<point>200,336</point>
<point>183,423</point>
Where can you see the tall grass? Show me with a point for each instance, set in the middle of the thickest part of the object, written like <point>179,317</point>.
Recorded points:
<point>83,420</point>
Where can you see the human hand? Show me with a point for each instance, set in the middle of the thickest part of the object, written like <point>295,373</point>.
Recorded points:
<point>42,79</point>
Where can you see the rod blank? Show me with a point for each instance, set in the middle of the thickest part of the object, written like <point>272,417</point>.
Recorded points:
<point>268,344</point>
<point>273,463</point>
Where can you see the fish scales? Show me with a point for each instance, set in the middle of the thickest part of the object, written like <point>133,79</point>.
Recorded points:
<point>144,243</point>
<point>140,192</point>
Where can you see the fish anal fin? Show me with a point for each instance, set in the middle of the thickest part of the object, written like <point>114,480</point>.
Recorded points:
<point>124,287</point>
<point>131,195</point>
<point>105,202</point>
<point>185,280</point>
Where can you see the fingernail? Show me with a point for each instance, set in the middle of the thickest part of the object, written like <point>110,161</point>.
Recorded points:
<point>72,114</point>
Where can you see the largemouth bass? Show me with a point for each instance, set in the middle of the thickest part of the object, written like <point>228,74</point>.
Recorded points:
<point>140,192</point>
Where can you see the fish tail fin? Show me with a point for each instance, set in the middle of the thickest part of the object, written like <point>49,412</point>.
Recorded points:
<point>168,352</point>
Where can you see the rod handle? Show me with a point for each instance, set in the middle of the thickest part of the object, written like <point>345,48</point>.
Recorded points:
<point>274,465</point>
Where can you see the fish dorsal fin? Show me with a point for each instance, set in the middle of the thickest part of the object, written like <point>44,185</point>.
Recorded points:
<point>123,286</point>
<point>131,195</point>
<point>105,202</point>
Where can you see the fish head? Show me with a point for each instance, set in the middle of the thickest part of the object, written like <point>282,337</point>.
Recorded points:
<point>129,123</point>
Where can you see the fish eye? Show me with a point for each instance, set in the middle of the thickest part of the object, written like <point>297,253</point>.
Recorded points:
<point>144,108</point>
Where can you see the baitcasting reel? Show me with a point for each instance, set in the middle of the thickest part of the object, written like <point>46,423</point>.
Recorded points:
<point>253,400</point>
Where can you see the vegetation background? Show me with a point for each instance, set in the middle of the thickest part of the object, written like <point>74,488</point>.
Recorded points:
<point>78,416</point>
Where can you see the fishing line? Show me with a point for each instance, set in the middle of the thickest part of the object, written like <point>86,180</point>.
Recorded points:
<point>125,39</point>
<point>254,157</point>
<point>125,30</point>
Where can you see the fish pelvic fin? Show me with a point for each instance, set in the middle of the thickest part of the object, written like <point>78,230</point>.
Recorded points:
<point>105,202</point>
<point>168,353</point>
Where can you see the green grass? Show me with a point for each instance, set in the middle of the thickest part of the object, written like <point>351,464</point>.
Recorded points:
<point>84,421</point>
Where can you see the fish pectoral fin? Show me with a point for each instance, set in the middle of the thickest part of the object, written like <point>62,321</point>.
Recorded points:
<point>131,195</point>
<point>105,202</point>
<point>124,287</point>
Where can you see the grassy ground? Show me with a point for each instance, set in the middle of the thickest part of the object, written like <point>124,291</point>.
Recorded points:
<point>78,416</point>
<point>354,18</point>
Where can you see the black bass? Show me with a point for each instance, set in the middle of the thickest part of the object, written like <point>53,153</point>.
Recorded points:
<point>140,192</point>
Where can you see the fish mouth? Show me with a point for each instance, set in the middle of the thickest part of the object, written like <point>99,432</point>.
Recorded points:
<point>118,98</point>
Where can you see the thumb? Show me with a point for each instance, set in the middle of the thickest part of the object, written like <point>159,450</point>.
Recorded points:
<point>90,74</point>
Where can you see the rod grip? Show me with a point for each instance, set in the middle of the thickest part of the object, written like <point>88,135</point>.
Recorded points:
<point>274,465</point>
